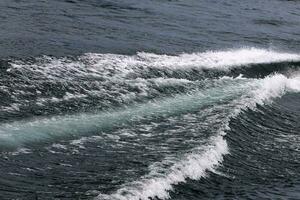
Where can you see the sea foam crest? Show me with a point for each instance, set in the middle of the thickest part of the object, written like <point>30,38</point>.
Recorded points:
<point>195,165</point>
<point>220,59</point>
<point>276,86</point>
<point>108,65</point>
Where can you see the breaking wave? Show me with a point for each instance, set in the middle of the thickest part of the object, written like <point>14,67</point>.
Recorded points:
<point>194,165</point>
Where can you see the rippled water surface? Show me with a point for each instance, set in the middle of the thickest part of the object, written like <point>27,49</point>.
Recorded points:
<point>144,100</point>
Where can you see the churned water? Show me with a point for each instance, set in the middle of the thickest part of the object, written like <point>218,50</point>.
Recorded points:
<point>149,100</point>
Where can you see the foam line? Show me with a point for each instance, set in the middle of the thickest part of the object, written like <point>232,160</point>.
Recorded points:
<point>223,60</point>
<point>110,65</point>
<point>193,166</point>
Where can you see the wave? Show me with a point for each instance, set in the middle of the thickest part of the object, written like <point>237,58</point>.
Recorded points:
<point>52,128</point>
<point>24,132</point>
<point>100,65</point>
<point>36,86</point>
<point>194,165</point>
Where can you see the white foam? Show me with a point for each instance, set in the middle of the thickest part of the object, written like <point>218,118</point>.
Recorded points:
<point>83,140</point>
<point>240,76</point>
<point>20,151</point>
<point>59,146</point>
<point>220,59</point>
<point>69,96</point>
<point>170,81</point>
<point>108,65</point>
<point>275,86</point>
<point>193,166</point>
<point>11,107</point>
<point>294,84</point>
<point>208,60</point>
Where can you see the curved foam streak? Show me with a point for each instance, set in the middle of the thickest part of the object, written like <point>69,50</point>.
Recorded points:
<point>110,65</point>
<point>223,60</point>
<point>194,165</point>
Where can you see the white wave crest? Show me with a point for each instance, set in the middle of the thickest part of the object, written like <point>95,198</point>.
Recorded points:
<point>275,86</point>
<point>219,59</point>
<point>193,167</point>
<point>108,65</point>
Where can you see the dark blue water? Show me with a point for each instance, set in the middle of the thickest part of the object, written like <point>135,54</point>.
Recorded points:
<point>149,100</point>
<point>30,28</point>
